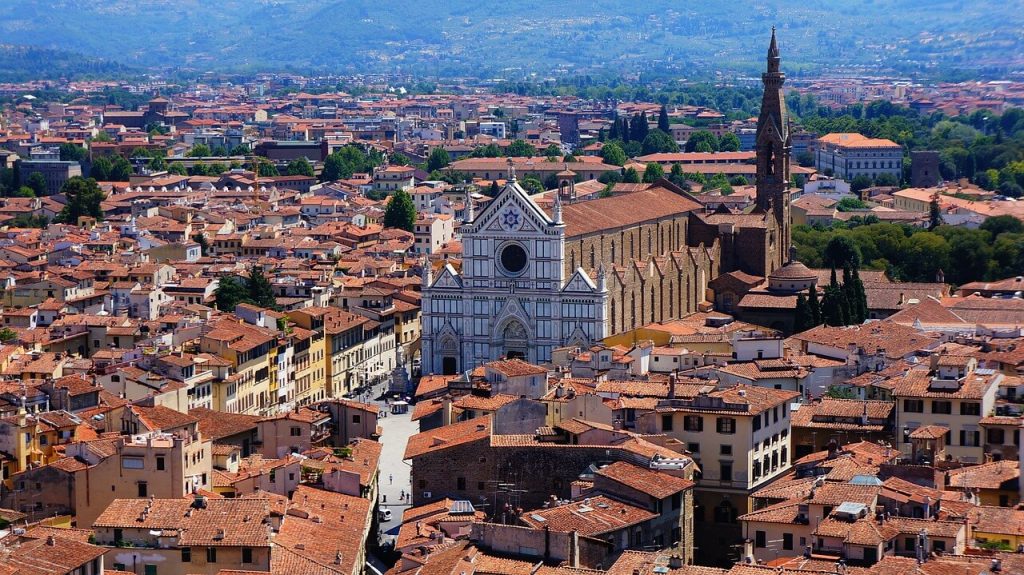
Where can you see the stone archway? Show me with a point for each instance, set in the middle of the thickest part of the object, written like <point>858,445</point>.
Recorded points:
<point>449,352</point>
<point>515,339</point>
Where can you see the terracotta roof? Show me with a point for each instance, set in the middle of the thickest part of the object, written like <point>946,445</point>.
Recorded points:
<point>605,214</point>
<point>222,522</point>
<point>448,436</point>
<point>654,483</point>
<point>591,517</point>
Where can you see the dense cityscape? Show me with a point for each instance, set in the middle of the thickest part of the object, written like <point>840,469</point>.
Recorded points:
<point>367,323</point>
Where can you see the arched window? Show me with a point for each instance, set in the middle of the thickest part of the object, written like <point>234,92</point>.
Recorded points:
<point>613,316</point>
<point>613,251</point>
<point>593,261</point>
<point>671,301</point>
<point>650,240</point>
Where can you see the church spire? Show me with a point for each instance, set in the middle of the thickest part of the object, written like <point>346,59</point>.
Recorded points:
<point>428,272</point>
<point>556,209</point>
<point>470,213</point>
<point>773,54</point>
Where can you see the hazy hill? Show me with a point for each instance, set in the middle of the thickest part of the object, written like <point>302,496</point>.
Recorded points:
<point>485,38</point>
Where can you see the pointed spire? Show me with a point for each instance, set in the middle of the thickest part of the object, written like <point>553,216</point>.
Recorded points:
<point>602,278</point>
<point>773,54</point>
<point>428,272</point>
<point>470,213</point>
<point>556,210</point>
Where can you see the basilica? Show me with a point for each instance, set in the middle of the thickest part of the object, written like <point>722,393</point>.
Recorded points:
<point>571,273</point>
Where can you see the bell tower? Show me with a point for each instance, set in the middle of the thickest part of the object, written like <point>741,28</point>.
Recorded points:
<point>773,150</point>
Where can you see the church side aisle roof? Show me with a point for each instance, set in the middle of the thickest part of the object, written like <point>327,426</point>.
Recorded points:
<point>656,202</point>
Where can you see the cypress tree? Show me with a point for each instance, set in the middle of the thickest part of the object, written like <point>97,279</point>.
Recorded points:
<point>814,305</point>
<point>801,315</point>
<point>613,134</point>
<point>861,295</point>
<point>663,120</point>
<point>832,306</point>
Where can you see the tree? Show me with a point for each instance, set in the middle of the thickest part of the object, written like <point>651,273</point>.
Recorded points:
<point>438,159</point>
<point>200,151</point>
<point>25,192</point>
<point>265,166</point>
<point>177,168</point>
<point>631,176</point>
<point>997,225</point>
<point>860,183</point>
<point>613,133</point>
<point>638,127</point>
<point>37,183</point>
<point>934,213</point>
<point>140,152</point>
<point>102,136</point>
<point>729,143</point>
<point>802,318</point>
<point>552,151</point>
<point>841,252</point>
<point>401,212</point>
<point>240,150</point>
<point>399,159</point>
<point>701,141</point>
<point>100,169</point>
<point>494,189</point>
<point>300,167</point>
<point>261,292</point>
<point>653,172</point>
<point>72,152</point>
<point>677,177</point>
<point>887,180</point>
<point>334,169</point>
<point>658,142</point>
<point>663,123</point>
<point>814,305</point>
<point>850,204</point>
<point>833,306</point>
<point>8,335</point>
<point>83,199</point>
<point>612,154</point>
<point>520,148</point>
<point>229,293</point>
<point>204,244</point>
<point>532,185</point>
<point>157,164</point>
<point>121,170</point>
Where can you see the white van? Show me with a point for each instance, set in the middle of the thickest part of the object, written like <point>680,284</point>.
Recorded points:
<point>384,514</point>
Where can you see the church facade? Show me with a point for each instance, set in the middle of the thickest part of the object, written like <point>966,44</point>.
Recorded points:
<point>535,279</point>
<point>512,297</point>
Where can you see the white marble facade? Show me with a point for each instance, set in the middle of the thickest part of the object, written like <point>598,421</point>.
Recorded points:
<point>512,298</point>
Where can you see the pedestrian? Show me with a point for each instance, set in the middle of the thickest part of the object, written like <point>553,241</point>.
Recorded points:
<point>385,498</point>
<point>391,478</point>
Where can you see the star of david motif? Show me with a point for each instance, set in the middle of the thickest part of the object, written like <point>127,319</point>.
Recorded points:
<point>510,220</point>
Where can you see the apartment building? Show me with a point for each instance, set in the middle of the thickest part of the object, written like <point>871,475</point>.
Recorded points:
<point>248,348</point>
<point>184,537</point>
<point>952,394</point>
<point>740,439</point>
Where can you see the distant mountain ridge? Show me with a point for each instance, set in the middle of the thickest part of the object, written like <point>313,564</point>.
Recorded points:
<point>452,37</point>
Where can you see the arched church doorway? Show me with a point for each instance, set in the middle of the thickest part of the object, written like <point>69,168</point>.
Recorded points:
<point>516,340</point>
<point>449,357</point>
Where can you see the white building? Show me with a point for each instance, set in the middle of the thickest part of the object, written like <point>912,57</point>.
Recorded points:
<point>512,298</point>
